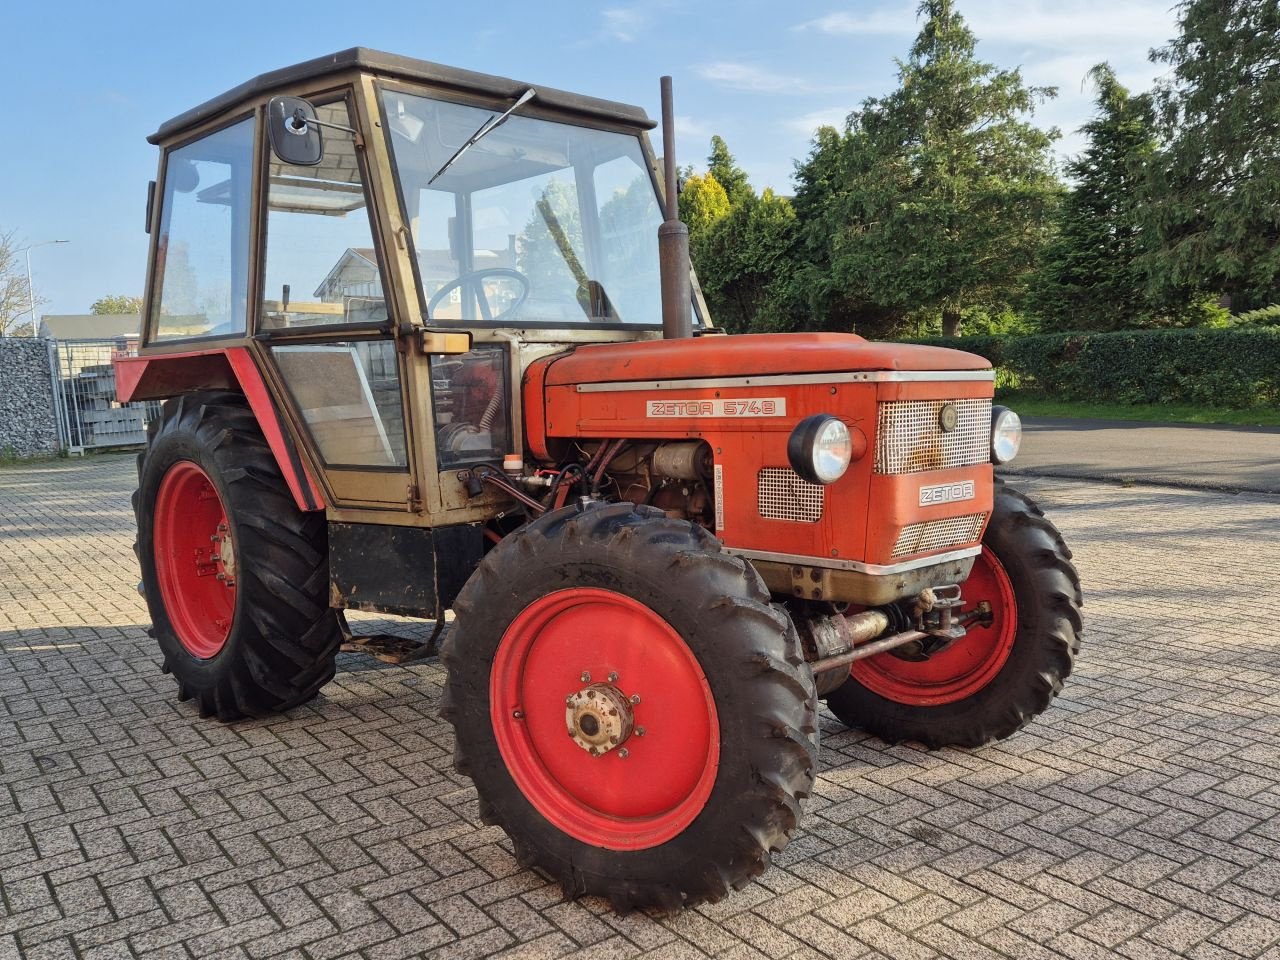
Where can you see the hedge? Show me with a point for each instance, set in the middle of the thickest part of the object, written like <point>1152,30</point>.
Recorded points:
<point>1237,368</point>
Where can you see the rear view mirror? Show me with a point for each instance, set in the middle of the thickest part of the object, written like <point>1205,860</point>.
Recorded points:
<point>294,131</point>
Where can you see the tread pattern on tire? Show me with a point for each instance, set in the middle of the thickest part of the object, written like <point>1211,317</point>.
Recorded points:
<point>1038,562</point>
<point>752,657</point>
<point>284,638</point>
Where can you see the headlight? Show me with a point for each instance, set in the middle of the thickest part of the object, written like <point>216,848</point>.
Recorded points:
<point>820,449</point>
<point>1006,434</point>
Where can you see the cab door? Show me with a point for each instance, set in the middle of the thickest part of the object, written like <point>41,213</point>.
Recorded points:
<point>324,319</point>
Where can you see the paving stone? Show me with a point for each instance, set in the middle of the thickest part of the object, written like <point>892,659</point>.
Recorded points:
<point>1139,818</point>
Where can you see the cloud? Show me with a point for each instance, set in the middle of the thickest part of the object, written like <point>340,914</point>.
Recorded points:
<point>623,23</point>
<point>745,76</point>
<point>1030,22</point>
<point>806,125</point>
<point>689,127</point>
<point>1054,43</point>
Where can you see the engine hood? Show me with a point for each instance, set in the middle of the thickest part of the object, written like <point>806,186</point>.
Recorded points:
<point>748,355</point>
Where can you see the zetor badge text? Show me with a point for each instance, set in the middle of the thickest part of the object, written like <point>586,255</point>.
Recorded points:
<point>947,493</point>
<point>749,407</point>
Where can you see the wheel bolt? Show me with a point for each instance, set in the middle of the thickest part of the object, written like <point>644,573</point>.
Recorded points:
<point>586,677</point>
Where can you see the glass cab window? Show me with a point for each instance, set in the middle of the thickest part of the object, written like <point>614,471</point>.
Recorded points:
<point>536,223</point>
<point>321,267</point>
<point>321,270</point>
<point>202,249</point>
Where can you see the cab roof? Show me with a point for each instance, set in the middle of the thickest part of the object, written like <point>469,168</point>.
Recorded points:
<point>402,68</point>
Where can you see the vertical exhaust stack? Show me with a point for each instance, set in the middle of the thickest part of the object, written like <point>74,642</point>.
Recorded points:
<point>673,236</point>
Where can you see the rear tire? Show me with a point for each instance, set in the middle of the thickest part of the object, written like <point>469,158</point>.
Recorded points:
<point>1009,673</point>
<point>243,620</point>
<point>588,597</point>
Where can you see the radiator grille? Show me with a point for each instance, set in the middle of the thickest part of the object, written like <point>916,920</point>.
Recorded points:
<point>931,535</point>
<point>783,495</point>
<point>909,438</point>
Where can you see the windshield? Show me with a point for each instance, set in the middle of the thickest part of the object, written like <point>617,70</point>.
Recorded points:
<point>537,223</point>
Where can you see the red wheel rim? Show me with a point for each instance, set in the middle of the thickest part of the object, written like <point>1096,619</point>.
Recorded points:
<point>195,559</point>
<point>619,801</point>
<point>964,668</point>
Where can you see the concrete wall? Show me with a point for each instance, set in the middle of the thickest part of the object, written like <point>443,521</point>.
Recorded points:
<point>28,423</point>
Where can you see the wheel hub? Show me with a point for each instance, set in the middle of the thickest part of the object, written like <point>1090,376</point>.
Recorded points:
<point>599,718</point>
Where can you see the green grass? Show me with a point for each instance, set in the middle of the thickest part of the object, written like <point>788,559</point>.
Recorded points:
<point>1159,413</point>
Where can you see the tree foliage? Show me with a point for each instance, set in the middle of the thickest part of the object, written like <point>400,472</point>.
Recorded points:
<point>722,166</point>
<point>703,203</point>
<point>943,189</point>
<point>116,303</point>
<point>742,257</point>
<point>1090,276</point>
<point>15,295</point>
<point>1214,198</point>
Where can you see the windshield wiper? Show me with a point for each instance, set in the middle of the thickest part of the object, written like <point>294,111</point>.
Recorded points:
<point>486,128</point>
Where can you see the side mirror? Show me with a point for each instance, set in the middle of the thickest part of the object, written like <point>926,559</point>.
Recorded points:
<point>294,131</point>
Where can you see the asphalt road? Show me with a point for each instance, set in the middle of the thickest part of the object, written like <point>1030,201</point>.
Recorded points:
<point>1211,457</point>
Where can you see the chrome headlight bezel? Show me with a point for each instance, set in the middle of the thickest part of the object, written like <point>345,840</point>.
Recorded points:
<point>820,449</point>
<point>1006,434</point>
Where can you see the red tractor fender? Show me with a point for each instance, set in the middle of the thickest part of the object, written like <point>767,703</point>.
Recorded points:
<point>224,368</point>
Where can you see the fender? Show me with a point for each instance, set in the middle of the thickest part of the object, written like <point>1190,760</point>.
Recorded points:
<point>225,368</point>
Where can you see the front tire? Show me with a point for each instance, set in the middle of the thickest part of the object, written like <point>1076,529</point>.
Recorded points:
<point>236,576</point>
<point>703,732</point>
<point>998,678</point>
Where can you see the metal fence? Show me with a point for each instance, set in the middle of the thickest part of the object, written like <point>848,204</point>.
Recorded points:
<point>89,416</point>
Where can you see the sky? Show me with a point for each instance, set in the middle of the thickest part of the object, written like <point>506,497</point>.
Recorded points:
<point>88,81</point>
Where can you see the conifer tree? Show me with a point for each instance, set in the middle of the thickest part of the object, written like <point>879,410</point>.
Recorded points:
<point>1214,195</point>
<point>1090,277</point>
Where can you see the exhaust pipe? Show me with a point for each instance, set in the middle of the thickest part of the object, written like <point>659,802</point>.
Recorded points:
<point>673,236</point>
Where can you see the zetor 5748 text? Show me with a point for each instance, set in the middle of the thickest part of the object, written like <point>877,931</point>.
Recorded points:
<point>428,340</point>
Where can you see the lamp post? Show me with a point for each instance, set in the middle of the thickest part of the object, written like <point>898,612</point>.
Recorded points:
<point>31,291</point>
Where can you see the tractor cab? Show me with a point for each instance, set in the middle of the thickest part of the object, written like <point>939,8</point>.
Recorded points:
<point>429,340</point>
<point>391,242</point>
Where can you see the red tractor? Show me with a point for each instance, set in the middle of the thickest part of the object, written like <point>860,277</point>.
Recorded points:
<point>429,340</point>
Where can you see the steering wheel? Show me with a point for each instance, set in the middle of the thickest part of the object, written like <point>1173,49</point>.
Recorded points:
<point>474,281</point>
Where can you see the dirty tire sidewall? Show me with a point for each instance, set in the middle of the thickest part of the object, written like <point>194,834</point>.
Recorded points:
<point>1046,588</point>
<point>747,648</point>
<point>283,639</point>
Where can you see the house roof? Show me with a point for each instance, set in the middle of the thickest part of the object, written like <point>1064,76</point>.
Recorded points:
<point>90,326</point>
<point>405,68</point>
<point>351,254</point>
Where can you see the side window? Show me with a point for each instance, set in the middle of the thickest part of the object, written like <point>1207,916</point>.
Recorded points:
<point>321,267</point>
<point>202,259</point>
<point>469,395</point>
<point>349,395</point>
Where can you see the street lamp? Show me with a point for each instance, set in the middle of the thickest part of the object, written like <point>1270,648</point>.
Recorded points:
<point>31,291</point>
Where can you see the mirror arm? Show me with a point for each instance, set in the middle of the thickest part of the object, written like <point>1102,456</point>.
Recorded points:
<point>298,121</point>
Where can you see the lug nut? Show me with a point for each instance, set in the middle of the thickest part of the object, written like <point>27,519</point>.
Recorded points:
<point>623,753</point>
<point>635,698</point>
<point>586,677</point>
<point>613,677</point>
<point>639,731</point>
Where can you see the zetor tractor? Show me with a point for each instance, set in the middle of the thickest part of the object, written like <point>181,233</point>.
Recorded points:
<point>427,342</point>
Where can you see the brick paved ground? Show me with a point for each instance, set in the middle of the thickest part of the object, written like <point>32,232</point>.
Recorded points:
<point>1139,818</point>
